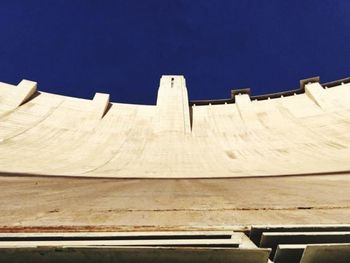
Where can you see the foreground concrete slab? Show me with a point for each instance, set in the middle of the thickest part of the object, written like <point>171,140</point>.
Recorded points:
<point>328,253</point>
<point>160,235</point>
<point>132,254</point>
<point>272,239</point>
<point>313,253</point>
<point>289,253</point>
<point>151,242</point>
<point>257,230</point>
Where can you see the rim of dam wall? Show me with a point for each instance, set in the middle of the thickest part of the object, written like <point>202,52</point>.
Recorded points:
<point>299,132</point>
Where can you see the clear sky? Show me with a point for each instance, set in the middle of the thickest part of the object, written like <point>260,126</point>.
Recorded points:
<point>77,48</point>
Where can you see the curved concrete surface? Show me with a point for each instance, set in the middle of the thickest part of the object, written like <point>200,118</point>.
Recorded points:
<point>48,134</point>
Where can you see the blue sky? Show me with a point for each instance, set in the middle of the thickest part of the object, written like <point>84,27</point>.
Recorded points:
<point>77,48</point>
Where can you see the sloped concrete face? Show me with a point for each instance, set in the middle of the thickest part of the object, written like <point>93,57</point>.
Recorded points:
<point>51,135</point>
<point>64,203</point>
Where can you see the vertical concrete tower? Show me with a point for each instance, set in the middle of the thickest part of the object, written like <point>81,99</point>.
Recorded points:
<point>173,115</point>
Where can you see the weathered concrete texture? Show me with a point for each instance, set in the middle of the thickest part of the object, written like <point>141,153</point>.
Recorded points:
<point>113,204</point>
<point>49,134</point>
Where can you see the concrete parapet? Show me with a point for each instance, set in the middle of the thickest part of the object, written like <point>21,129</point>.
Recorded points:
<point>100,104</point>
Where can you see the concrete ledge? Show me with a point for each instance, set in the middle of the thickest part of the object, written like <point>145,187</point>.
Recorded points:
<point>326,253</point>
<point>256,231</point>
<point>132,254</point>
<point>272,240</point>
